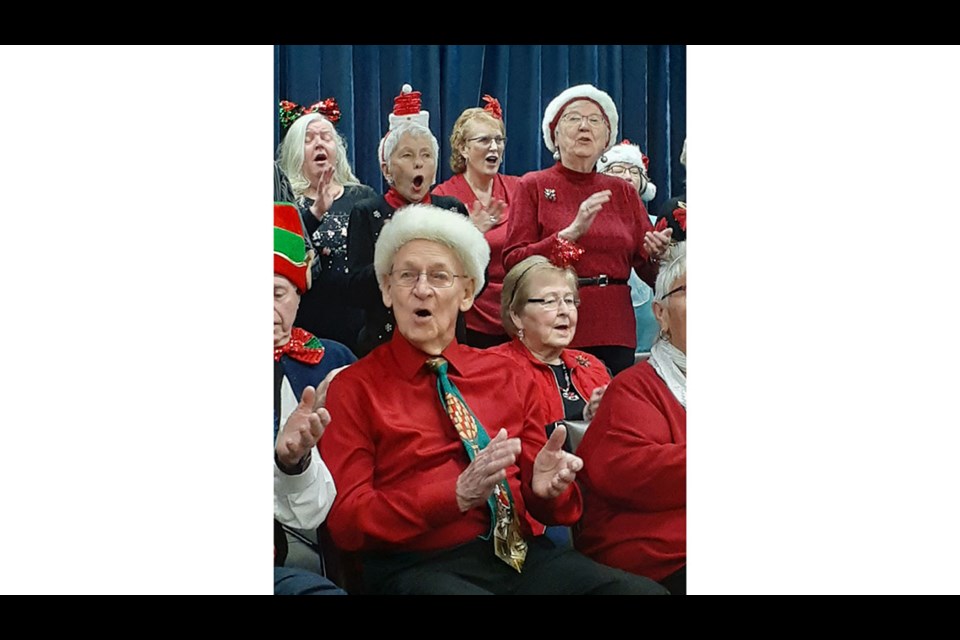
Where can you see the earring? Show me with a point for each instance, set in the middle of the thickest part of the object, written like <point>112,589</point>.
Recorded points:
<point>664,335</point>
<point>603,158</point>
<point>556,155</point>
<point>520,334</point>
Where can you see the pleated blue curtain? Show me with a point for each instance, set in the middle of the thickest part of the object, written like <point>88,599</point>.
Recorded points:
<point>647,83</point>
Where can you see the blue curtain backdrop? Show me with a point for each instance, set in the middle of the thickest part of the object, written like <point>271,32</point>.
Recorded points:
<point>646,82</point>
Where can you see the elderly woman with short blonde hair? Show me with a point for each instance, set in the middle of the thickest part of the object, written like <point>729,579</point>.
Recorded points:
<point>539,310</point>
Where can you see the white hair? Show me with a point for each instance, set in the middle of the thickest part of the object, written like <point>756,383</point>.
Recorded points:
<point>291,156</point>
<point>429,222</point>
<point>673,266</point>
<point>413,129</point>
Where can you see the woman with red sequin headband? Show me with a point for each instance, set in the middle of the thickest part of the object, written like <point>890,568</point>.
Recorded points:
<point>590,221</point>
<point>477,144</point>
<point>408,159</point>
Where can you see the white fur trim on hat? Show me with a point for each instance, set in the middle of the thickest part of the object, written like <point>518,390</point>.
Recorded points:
<point>429,222</point>
<point>579,92</point>
<point>420,118</point>
<point>628,153</point>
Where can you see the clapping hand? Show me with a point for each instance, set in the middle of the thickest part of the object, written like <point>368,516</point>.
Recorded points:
<point>488,468</point>
<point>554,469</point>
<point>656,243</point>
<point>586,214</point>
<point>324,199</point>
<point>302,430</point>
<point>594,403</point>
<point>486,218</point>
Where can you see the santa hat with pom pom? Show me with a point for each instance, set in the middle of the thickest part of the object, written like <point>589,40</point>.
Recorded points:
<point>628,153</point>
<point>406,107</point>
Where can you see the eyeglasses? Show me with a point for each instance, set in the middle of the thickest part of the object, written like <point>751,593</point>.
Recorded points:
<point>619,170</point>
<point>436,279</point>
<point>552,304</point>
<point>574,118</point>
<point>484,141</point>
<point>677,290</point>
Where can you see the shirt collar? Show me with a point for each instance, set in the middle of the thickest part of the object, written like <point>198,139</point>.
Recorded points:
<point>566,356</point>
<point>410,360</point>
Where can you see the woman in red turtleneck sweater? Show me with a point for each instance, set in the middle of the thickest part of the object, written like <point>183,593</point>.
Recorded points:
<point>592,222</point>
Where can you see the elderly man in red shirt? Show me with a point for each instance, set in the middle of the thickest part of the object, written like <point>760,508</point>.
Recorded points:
<point>436,448</point>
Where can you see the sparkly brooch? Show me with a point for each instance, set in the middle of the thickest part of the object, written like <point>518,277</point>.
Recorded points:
<point>376,213</point>
<point>550,194</point>
<point>388,327</point>
<point>582,361</point>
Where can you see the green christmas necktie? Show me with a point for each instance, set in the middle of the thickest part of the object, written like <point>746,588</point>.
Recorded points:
<point>508,543</point>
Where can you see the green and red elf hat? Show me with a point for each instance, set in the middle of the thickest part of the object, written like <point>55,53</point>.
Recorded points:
<point>290,257</point>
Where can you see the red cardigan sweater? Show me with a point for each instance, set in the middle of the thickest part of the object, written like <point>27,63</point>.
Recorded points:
<point>544,203</point>
<point>586,374</point>
<point>634,477</point>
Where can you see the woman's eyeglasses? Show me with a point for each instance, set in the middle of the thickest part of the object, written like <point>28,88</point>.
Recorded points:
<point>484,141</point>
<point>552,304</point>
<point>677,290</point>
<point>619,170</point>
<point>573,118</point>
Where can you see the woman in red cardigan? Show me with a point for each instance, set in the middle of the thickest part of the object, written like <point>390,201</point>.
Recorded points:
<point>539,310</point>
<point>634,477</point>
<point>477,144</point>
<point>596,223</point>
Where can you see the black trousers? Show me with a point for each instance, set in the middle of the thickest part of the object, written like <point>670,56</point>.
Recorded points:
<point>473,569</point>
<point>616,358</point>
<point>676,582</point>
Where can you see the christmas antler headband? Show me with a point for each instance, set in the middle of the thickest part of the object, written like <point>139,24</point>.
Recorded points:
<point>493,106</point>
<point>290,111</point>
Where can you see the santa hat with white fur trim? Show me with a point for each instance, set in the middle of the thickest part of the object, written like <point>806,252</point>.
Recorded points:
<point>406,107</point>
<point>629,153</point>
<point>580,92</point>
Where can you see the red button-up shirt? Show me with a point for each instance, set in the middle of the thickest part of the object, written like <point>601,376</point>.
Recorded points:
<point>395,456</point>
